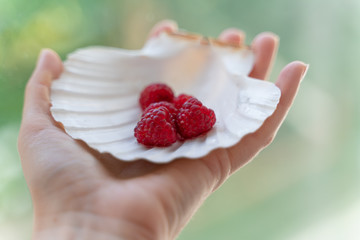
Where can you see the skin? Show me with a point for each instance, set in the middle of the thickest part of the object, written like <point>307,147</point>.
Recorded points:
<point>78,193</point>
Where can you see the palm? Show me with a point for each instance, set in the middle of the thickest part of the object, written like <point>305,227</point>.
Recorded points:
<point>64,174</point>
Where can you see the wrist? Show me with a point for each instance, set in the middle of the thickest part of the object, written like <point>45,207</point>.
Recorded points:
<point>83,225</point>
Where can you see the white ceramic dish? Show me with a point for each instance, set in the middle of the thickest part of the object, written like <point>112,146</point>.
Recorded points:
<point>96,97</point>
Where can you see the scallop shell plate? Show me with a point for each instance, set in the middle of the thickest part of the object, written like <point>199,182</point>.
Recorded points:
<point>96,97</point>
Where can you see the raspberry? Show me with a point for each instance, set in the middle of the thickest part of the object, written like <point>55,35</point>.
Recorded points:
<point>180,100</point>
<point>167,105</point>
<point>166,119</point>
<point>156,128</point>
<point>194,119</point>
<point>155,93</point>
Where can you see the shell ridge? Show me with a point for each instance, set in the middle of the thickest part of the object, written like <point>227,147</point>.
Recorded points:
<point>124,140</point>
<point>101,111</point>
<point>82,128</point>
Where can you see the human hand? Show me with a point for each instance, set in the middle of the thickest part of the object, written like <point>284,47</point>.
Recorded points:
<point>80,194</point>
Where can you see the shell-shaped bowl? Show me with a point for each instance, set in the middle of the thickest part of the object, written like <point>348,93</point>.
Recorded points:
<point>96,97</point>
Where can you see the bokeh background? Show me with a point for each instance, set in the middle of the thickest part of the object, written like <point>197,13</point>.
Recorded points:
<point>306,185</point>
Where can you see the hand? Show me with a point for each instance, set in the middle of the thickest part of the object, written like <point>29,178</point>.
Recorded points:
<point>80,194</point>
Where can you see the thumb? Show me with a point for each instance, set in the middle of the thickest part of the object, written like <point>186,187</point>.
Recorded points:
<point>36,113</point>
<point>37,95</point>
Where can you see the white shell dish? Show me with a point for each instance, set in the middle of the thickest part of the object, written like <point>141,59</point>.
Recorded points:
<point>96,97</point>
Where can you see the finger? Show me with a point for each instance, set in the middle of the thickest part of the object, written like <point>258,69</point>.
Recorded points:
<point>265,47</point>
<point>37,94</point>
<point>233,36</point>
<point>288,82</point>
<point>163,26</point>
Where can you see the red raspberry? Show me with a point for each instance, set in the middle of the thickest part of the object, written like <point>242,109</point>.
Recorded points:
<point>156,92</point>
<point>180,100</point>
<point>156,128</point>
<point>194,119</point>
<point>167,105</point>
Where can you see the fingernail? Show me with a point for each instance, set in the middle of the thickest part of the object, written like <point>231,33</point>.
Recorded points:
<point>172,23</point>
<point>41,58</point>
<point>275,36</point>
<point>304,71</point>
<point>270,34</point>
<point>164,26</point>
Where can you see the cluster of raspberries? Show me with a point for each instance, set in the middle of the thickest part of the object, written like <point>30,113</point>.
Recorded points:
<point>167,118</point>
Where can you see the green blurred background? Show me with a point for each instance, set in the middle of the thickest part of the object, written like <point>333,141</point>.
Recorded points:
<point>306,185</point>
